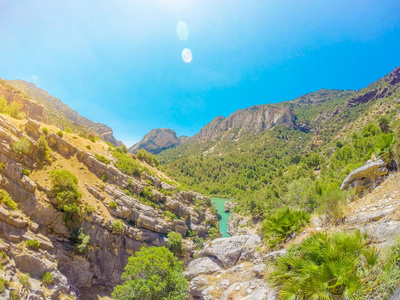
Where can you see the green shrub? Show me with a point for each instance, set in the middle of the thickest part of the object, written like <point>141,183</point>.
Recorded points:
<point>191,233</point>
<point>102,159</point>
<point>126,164</point>
<point>7,200</point>
<point>89,209</point>
<point>33,244</point>
<point>113,205</point>
<point>92,137</point>
<point>47,278</point>
<point>175,242</point>
<point>198,242</point>
<point>109,144</point>
<point>3,105</point>
<point>325,267</point>
<point>3,257</point>
<point>43,153</point>
<point>153,273</point>
<point>45,131</point>
<point>104,178</point>
<point>121,149</point>
<point>60,134</point>
<point>24,280</point>
<point>147,193</point>
<point>170,215</point>
<point>213,233</point>
<point>14,110</point>
<point>26,172</point>
<point>148,157</point>
<point>127,192</point>
<point>89,147</point>
<point>383,281</point>
<point>82,242</point>
<point>332,205</point>
<point>22,146</point>
<point>65,190</point>
<point>14,295</point>
<point>3,285</point>
<point>279,226</point>
<point>117,226</point>
<point>1,166</point>
<point>68,129</point>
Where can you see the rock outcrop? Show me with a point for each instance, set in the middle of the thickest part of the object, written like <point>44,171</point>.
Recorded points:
<point>31,109</point>
<point>366,178</point>
<point>39,219</point>
<point>252,120</point>
<point>229,268</point>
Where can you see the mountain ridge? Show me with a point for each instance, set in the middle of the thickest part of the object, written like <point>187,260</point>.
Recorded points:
<point>62,114</point>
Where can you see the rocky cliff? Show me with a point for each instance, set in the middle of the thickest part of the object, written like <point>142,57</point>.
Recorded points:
<point>61,114</point>
<point>158,140</point>
<point>252,120</point>
<point>27,180</point>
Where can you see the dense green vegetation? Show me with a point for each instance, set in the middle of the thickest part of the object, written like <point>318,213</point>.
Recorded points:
<point>338,266</point>
<point>152,274</point>
<point>151,159</point>
<point>286,166</point>
<point>279,226</point>
<point>325,267</point>
<point>65,190</point>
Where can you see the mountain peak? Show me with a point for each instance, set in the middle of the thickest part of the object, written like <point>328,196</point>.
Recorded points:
<point>157,140</point>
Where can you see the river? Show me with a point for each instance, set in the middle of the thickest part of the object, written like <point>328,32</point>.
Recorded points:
<point>223,223</point>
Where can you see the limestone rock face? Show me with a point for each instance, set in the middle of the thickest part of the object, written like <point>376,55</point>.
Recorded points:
<point>199,266</point>
<point>254,120</point>
<point>32,109</point>
<point>237,225</point>
<point>37,217</point>
<point>366,178</point>
<point>230,250</point>
<point>156,141</point>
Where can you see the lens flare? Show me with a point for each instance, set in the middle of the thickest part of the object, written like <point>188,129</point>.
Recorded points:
<point>187,55</point>
<point>182,30</point>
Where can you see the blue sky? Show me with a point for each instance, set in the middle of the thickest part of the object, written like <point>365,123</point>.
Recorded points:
<point>119,62</point>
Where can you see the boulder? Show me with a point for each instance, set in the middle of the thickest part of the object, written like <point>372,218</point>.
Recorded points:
<point>228,206</point>
<point>196,287</point>
<point>259,269</point>
<point>32,128</point>
<point>32,264</point>
<point>366,177</point>
<point>199,266</point>
<point>232,249</point>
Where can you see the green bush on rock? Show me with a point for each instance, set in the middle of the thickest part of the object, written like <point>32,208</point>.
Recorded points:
<point>65,190</point>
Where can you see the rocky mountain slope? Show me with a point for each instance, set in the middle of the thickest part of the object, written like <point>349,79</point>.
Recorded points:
<point>115,220</point>
<point>244,152</point>
<point>59,113</point>
<point>158,140</point>
<point>239,267</point>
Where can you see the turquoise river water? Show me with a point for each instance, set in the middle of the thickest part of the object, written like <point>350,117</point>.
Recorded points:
<point>223,223</point>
